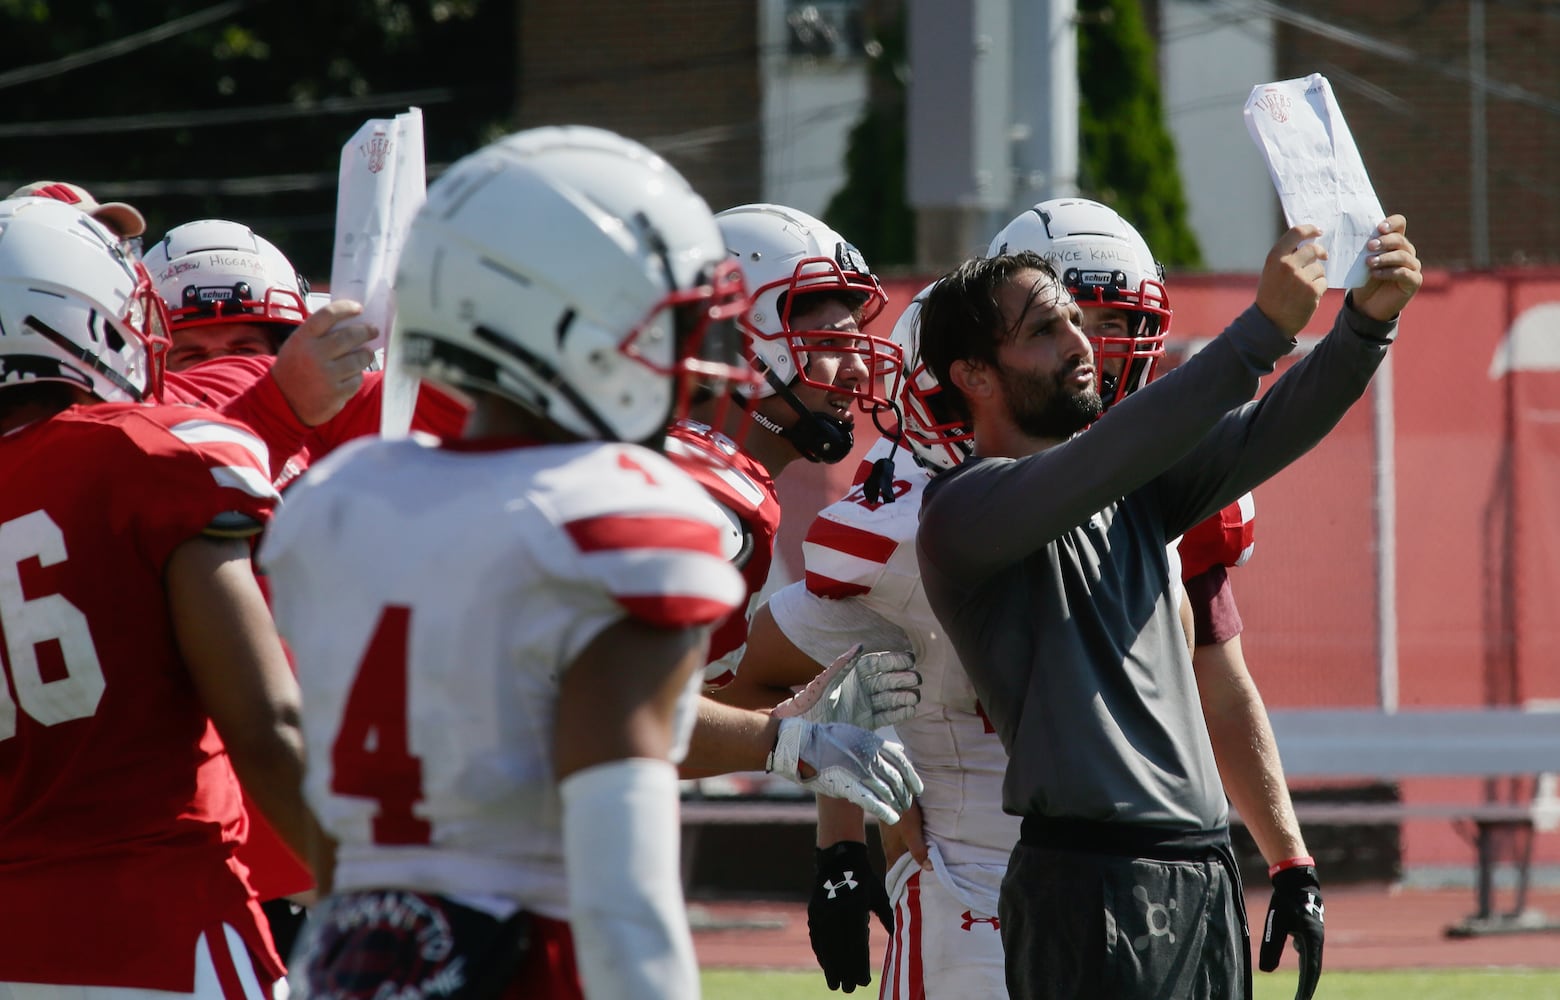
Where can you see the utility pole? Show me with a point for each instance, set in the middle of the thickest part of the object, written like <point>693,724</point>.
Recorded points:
<point>959,173</point>
<point>1045,101</point>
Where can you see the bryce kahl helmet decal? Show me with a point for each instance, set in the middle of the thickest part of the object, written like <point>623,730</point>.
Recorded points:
<point>216,271</point>
<point>601,326</point>
<point>927,426</point>
<point>1104,263</point>
<point>74,306</point>
<point>786,254</point>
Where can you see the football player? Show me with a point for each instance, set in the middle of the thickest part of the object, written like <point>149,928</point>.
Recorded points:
<point>812,298</point>
<point>501,639</point>
<point>297,379</point>
<point>244,342</point>
<point>135,637</point>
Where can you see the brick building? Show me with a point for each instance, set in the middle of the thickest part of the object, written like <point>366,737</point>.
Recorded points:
<point>1411,96</point>
<point>688,78</point>
<point>1403,71</point>
<point>681,76</point>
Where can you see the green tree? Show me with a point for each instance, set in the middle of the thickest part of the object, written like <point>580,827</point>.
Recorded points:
<point>239,116</point>
<point>1126,158</point>
<point>871,209</point>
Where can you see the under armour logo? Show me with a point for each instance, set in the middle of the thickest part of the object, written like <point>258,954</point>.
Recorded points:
<point>970,920</point>
<point>1158,917</point>
<point>1314,906</point>
<point>846,883</point>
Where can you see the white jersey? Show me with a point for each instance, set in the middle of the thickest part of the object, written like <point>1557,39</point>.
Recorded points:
<point>432,598</point>
<point>863,584</point>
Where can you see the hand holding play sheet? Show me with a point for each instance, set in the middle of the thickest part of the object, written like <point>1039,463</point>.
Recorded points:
<point>1317,170</point>
<point>383,181</point>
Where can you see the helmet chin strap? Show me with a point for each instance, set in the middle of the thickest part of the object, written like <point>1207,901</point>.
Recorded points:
<point>816,436</point>
<point>879,484</point>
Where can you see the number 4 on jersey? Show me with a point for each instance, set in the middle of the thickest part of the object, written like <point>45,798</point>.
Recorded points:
<point>370,758</point>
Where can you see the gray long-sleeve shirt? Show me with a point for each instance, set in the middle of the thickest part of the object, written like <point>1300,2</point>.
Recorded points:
<point>1050,575</point>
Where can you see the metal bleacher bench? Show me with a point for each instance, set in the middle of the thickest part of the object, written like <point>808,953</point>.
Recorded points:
<point>1347,744</point>
<point>1489,743</point>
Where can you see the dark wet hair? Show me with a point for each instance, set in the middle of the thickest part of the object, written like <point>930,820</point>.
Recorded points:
<point>961,319</point>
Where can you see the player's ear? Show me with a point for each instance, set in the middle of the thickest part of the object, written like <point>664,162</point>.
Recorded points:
<point>973,379</point>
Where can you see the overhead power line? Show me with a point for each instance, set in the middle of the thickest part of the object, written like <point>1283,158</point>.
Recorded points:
<point>226,116</point>
<point>1397,53</point>
<point>322,180</point>
<point>122,46</point>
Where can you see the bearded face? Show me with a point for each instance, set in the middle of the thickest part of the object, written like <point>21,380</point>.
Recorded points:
<point>1047,370</point>
<point>1046,405</point>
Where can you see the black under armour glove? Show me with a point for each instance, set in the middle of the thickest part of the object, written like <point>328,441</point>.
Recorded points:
<point>846,892</point>
<point>1296,910</point>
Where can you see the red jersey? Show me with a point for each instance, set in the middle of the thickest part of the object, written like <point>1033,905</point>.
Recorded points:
<point>1225,539</point>
<point>741,485</point>
<point>237,387</point>
<point>115,792</point>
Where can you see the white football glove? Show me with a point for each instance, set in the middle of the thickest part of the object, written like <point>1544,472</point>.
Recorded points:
<point>851,764</point>
<point>867,690</point>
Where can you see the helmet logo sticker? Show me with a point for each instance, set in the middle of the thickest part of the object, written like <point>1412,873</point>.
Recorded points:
<point>850,259</point>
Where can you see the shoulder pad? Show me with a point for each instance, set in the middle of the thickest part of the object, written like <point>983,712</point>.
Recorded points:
<point>729,475</point>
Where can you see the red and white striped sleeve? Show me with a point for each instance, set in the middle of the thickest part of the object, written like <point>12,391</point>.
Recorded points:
<point>848,547</point>
<point>652,539</point>
<point>212,477</point>
<point>842,559</point>
<point>663,568</point>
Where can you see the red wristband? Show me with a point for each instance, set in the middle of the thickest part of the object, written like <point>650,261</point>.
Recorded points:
<point>1301,862</point>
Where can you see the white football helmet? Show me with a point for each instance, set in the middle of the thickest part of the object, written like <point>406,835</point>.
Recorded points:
<point>576,273</point>
<point>215,271</point>
<point>1105,264</point>
<point>785,253</point>
<point>926,425</point>
<point>74,306</point>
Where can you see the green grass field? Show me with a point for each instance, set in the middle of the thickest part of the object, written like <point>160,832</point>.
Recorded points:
<point>1451,984</point>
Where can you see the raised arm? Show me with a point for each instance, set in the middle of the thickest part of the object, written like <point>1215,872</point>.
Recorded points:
<point>1256,441</point>
<point>988,514</point>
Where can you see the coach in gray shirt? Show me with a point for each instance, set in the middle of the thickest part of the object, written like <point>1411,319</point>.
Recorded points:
<point>1044,558</point>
